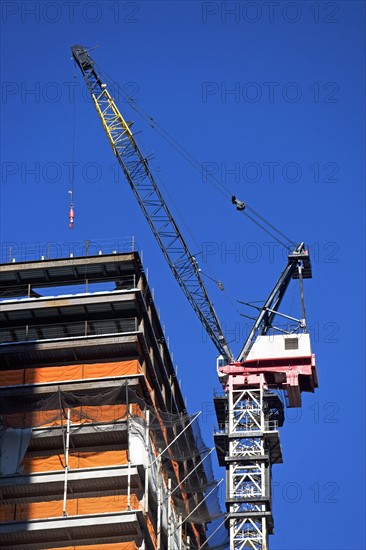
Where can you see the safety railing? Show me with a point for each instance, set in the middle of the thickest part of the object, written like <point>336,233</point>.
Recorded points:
<point>270,425</point>
<point>20,251</point>
<point>54,331</point>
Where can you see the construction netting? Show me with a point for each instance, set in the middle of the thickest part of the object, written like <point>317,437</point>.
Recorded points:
<point>175,451</point>
<point>217,537</point>
<point>96,406</point>
<point>100,546</point>
<point>75,506</point>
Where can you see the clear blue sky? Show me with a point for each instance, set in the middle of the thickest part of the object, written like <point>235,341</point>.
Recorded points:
<point>272,90</point>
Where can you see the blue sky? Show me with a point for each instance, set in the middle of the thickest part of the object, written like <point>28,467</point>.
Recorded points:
<point>270,95</point>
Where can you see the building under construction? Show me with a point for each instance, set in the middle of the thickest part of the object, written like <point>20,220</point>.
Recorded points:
<point>97,448</point>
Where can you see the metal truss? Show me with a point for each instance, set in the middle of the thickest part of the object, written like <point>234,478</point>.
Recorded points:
<point>248,495</point>
<point>140,178</point>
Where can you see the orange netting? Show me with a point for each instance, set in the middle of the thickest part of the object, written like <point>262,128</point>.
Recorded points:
<point>175,465</point>
<point>113,546</point>
<point>151,530</point>
<point>31,464</point>
<point>100,405</point>
<point>37,375</point>
<point>86,413</point>
<point>75,507</point>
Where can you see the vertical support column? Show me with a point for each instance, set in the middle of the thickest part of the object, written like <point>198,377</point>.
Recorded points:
<point>230,476</point>
<point>129,486</point>
<point>147,458</point>
<point>158,519</point>
<point>128,424</point>
<point>248,499</point>
<point>169,514</point>
<point>67,446</point>
<point>180,532</point>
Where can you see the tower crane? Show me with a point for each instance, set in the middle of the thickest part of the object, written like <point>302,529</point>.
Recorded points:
<point>250,410</point>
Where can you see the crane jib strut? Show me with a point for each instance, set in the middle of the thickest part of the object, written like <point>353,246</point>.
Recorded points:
<point>298,267</point>
<point>157,213</point>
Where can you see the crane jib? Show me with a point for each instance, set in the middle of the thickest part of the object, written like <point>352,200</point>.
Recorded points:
<point>157,213</point>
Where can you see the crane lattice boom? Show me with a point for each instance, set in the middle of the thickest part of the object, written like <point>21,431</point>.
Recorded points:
<point>138,174</point>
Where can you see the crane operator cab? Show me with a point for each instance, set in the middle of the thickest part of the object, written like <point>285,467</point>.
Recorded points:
<point>275,347</point>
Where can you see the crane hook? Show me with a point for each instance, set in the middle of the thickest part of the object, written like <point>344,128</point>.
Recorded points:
<point>71,212</point>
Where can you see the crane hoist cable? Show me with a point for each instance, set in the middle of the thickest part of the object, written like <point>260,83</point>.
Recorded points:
<point>213,180</point>
<point>213,277</point>
<point>71,191</point>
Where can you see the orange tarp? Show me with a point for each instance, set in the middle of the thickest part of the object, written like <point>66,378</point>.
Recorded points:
<point>75,507</point>
<point>78,415</point>
<point>51,463</point>
<point>151,530</point>
<point>114,546</point>
<point>36,375</point>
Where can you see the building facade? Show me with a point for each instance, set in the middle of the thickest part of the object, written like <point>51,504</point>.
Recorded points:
<point>96,447</point>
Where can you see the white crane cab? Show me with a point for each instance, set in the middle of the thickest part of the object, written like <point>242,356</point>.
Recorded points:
<point>280,346</point>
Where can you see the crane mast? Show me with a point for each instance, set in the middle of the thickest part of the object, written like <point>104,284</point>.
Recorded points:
<point>157,213</point>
